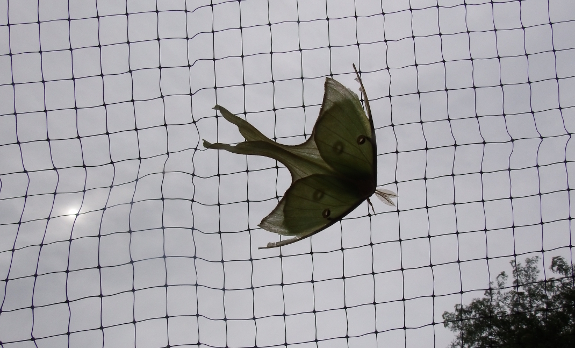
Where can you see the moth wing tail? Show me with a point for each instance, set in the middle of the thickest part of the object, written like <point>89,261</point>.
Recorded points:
<point>281,243</point>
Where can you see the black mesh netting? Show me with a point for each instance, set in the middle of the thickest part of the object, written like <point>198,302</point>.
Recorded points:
<point>118,229</point>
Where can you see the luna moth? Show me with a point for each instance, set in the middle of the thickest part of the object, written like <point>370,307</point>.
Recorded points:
<point>333,171</point>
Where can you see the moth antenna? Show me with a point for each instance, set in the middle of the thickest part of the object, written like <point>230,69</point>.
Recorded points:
<point>385,196</point>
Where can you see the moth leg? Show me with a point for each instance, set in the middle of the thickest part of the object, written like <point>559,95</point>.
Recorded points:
<point>370,205</point>
<point>281,243</point>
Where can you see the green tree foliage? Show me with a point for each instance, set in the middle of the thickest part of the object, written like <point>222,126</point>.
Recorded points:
<point>531,313</point>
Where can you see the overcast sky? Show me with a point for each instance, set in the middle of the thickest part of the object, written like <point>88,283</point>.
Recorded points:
<point>117,225</point>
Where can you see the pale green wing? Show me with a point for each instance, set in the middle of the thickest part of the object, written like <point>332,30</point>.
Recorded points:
<point>310,205</point>
<point>301,160</point>
<point>344,134</point>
